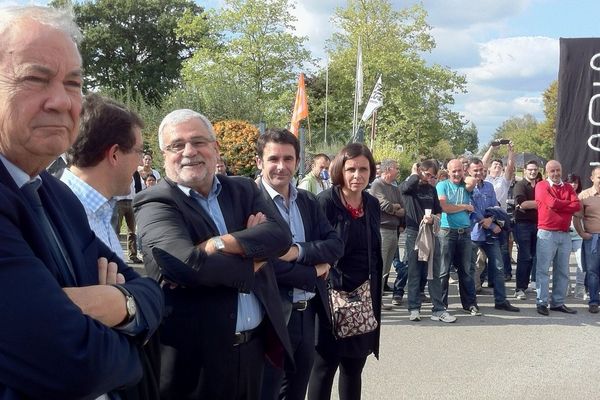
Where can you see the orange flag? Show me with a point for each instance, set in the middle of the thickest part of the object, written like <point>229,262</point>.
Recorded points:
<point>300,107</point>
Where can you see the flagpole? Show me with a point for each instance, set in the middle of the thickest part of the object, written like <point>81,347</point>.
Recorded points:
<point>373,128</point>
<point>309,136</point>
<point>326,92</point>
<point>357,88</point>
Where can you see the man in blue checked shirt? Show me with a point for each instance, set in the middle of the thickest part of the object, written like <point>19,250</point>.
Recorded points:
<point>485,232</point>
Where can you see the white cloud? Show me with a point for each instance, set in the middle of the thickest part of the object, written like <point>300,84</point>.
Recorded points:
<point>462,14</point>
<point>516,59</point>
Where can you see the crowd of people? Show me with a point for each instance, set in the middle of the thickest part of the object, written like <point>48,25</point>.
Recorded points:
<point>237,303</point>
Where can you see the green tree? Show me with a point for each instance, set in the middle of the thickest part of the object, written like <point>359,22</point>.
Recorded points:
<point>252,72</point>
<point>523,131</point>
<point>547,128</point>
<point>465,139</point>
<point>133,44</point>
<point>416,95</point>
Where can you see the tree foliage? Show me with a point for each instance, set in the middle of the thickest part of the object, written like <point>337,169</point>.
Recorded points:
<point>417,96</point>
<point>251,71</point>
<point>133,44</point>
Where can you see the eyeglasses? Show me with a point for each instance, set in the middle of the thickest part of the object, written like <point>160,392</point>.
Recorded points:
<point>532,169</point>
<point>196,143</point>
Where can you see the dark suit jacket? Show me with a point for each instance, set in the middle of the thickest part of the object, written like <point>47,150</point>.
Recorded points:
<point>48,348</point>
<point>197,333</point>
<point>322,245</point>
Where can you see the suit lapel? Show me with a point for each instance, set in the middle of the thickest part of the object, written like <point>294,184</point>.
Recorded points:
<point>192,205</point>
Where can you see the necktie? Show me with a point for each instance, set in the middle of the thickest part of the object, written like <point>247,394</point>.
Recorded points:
<point>30,190</point>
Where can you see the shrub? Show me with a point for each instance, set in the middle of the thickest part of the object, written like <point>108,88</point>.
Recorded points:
<point>237,140</point>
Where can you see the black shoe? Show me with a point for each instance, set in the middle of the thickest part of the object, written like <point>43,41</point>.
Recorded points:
<point>135,260</point>
<point>507,278</point>
<point>387,288</point>
<point>594,308</point>
<point>564,309</point>
<point>425,298</point>
<point>506,306</point>
<point>542,310</point>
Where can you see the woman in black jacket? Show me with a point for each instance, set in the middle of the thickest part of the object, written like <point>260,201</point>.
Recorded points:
<point>355,216</point>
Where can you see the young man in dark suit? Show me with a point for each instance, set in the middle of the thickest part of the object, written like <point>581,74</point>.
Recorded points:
<point>72,312</point>
<point>207,238</point>
<point>302,271</point>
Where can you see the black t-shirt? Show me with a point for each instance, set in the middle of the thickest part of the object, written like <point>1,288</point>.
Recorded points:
<point>522,192</point>
<point>418,197</point>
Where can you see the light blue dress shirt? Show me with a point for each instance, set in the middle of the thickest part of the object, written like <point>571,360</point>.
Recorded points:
<point>250,313</point>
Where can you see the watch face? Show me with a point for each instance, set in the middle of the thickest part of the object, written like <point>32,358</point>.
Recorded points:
<point>131,308</point>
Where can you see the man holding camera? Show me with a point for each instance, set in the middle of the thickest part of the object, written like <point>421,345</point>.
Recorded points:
<point>501,179</point>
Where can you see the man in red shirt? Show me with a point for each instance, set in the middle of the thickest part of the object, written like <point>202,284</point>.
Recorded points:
<point>556,204</point>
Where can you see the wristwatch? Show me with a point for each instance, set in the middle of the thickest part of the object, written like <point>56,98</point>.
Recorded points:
<point>218,243</point>
<point>129,305</point>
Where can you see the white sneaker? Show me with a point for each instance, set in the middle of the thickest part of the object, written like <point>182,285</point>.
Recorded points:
<point>443,317</point>
<point>531,287</point>
<point>415,315</point>
<point>520,295</point>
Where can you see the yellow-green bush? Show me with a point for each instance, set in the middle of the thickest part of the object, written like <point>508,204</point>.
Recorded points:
<point>237,141</point>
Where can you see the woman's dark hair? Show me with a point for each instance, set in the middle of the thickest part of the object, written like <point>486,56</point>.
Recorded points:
<point>353,150</point>
<point>572,178</point>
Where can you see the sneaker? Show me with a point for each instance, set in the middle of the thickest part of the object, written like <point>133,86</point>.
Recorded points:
<point>415,315</point>
<point>453,278</point>
<point>520,295</point>
<point>473,310</point>
<point>443,317</point>
<point>135,260</point>
<point>425,298</point>
<point>593,308</point>
<point>531,287</point>
<point>386,307</point>
<point>397,301</point>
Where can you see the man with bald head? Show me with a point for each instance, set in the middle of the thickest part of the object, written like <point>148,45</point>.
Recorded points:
<point>72,312</point>
<point>556,204</point>
<point>455,236</point>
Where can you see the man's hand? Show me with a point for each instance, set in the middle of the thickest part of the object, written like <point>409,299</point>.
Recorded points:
<point>256,219</point>
<point>486,222</point>
<point>104,303</point>
<point>415,168</point>
<point>398,210</point>
<point>428,220</point>
<point>322,270</point>
<point>108,273</point>
<point>291,255</point>
<point>497,229</point>
<point>586,236</point>
<point>468,208</point>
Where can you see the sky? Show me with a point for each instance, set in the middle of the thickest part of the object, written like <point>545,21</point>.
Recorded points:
<point>508,50</point>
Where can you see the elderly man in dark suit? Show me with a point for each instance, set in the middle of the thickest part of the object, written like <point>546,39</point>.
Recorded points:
<point>206,238</point>
<point>72,313</point>
<point>301,272</point>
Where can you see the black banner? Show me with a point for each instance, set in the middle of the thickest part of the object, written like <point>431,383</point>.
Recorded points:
<point>578,115</point>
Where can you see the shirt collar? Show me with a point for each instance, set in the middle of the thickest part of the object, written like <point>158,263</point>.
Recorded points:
<point>554,184</point>
<point>293,192</point>
<point>214,190</point>
<point>19,176</point>
<point>87,194</point>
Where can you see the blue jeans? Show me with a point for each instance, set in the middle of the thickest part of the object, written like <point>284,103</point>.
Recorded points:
<point>552,247</point>
<point>526,237</point>
<point>592,262</point>
<point>505,255</point>
<point>401,275</point>
<point>456,248</point>
<point>495,268</point>
<point>415,275</point>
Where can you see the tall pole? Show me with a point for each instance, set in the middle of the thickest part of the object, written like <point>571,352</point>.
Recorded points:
<point>326,93</point>
<point>302,156</point>
<point>373,129</point>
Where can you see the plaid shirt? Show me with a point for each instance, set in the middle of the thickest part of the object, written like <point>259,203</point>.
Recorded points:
<point>98,209</point>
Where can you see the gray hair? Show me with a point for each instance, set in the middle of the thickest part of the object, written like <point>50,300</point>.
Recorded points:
<point>387,164</point>
<point>180,116</point>
<point>61,19</point>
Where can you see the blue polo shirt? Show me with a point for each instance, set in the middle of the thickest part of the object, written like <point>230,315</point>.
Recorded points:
<point>454,194</point>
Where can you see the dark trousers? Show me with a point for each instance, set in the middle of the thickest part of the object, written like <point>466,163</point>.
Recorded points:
<point>292,384</point>
<point>526,237</point>
<point>323,372</point>
<point>123,209</point>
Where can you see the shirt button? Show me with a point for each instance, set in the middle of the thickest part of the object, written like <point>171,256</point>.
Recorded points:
<point>249,319</point>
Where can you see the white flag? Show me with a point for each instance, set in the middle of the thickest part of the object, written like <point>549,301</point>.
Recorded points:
<point>375,101</point>
<point>359,75</point>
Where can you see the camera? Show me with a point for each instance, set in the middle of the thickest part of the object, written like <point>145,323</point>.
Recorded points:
<point>498,142</point>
